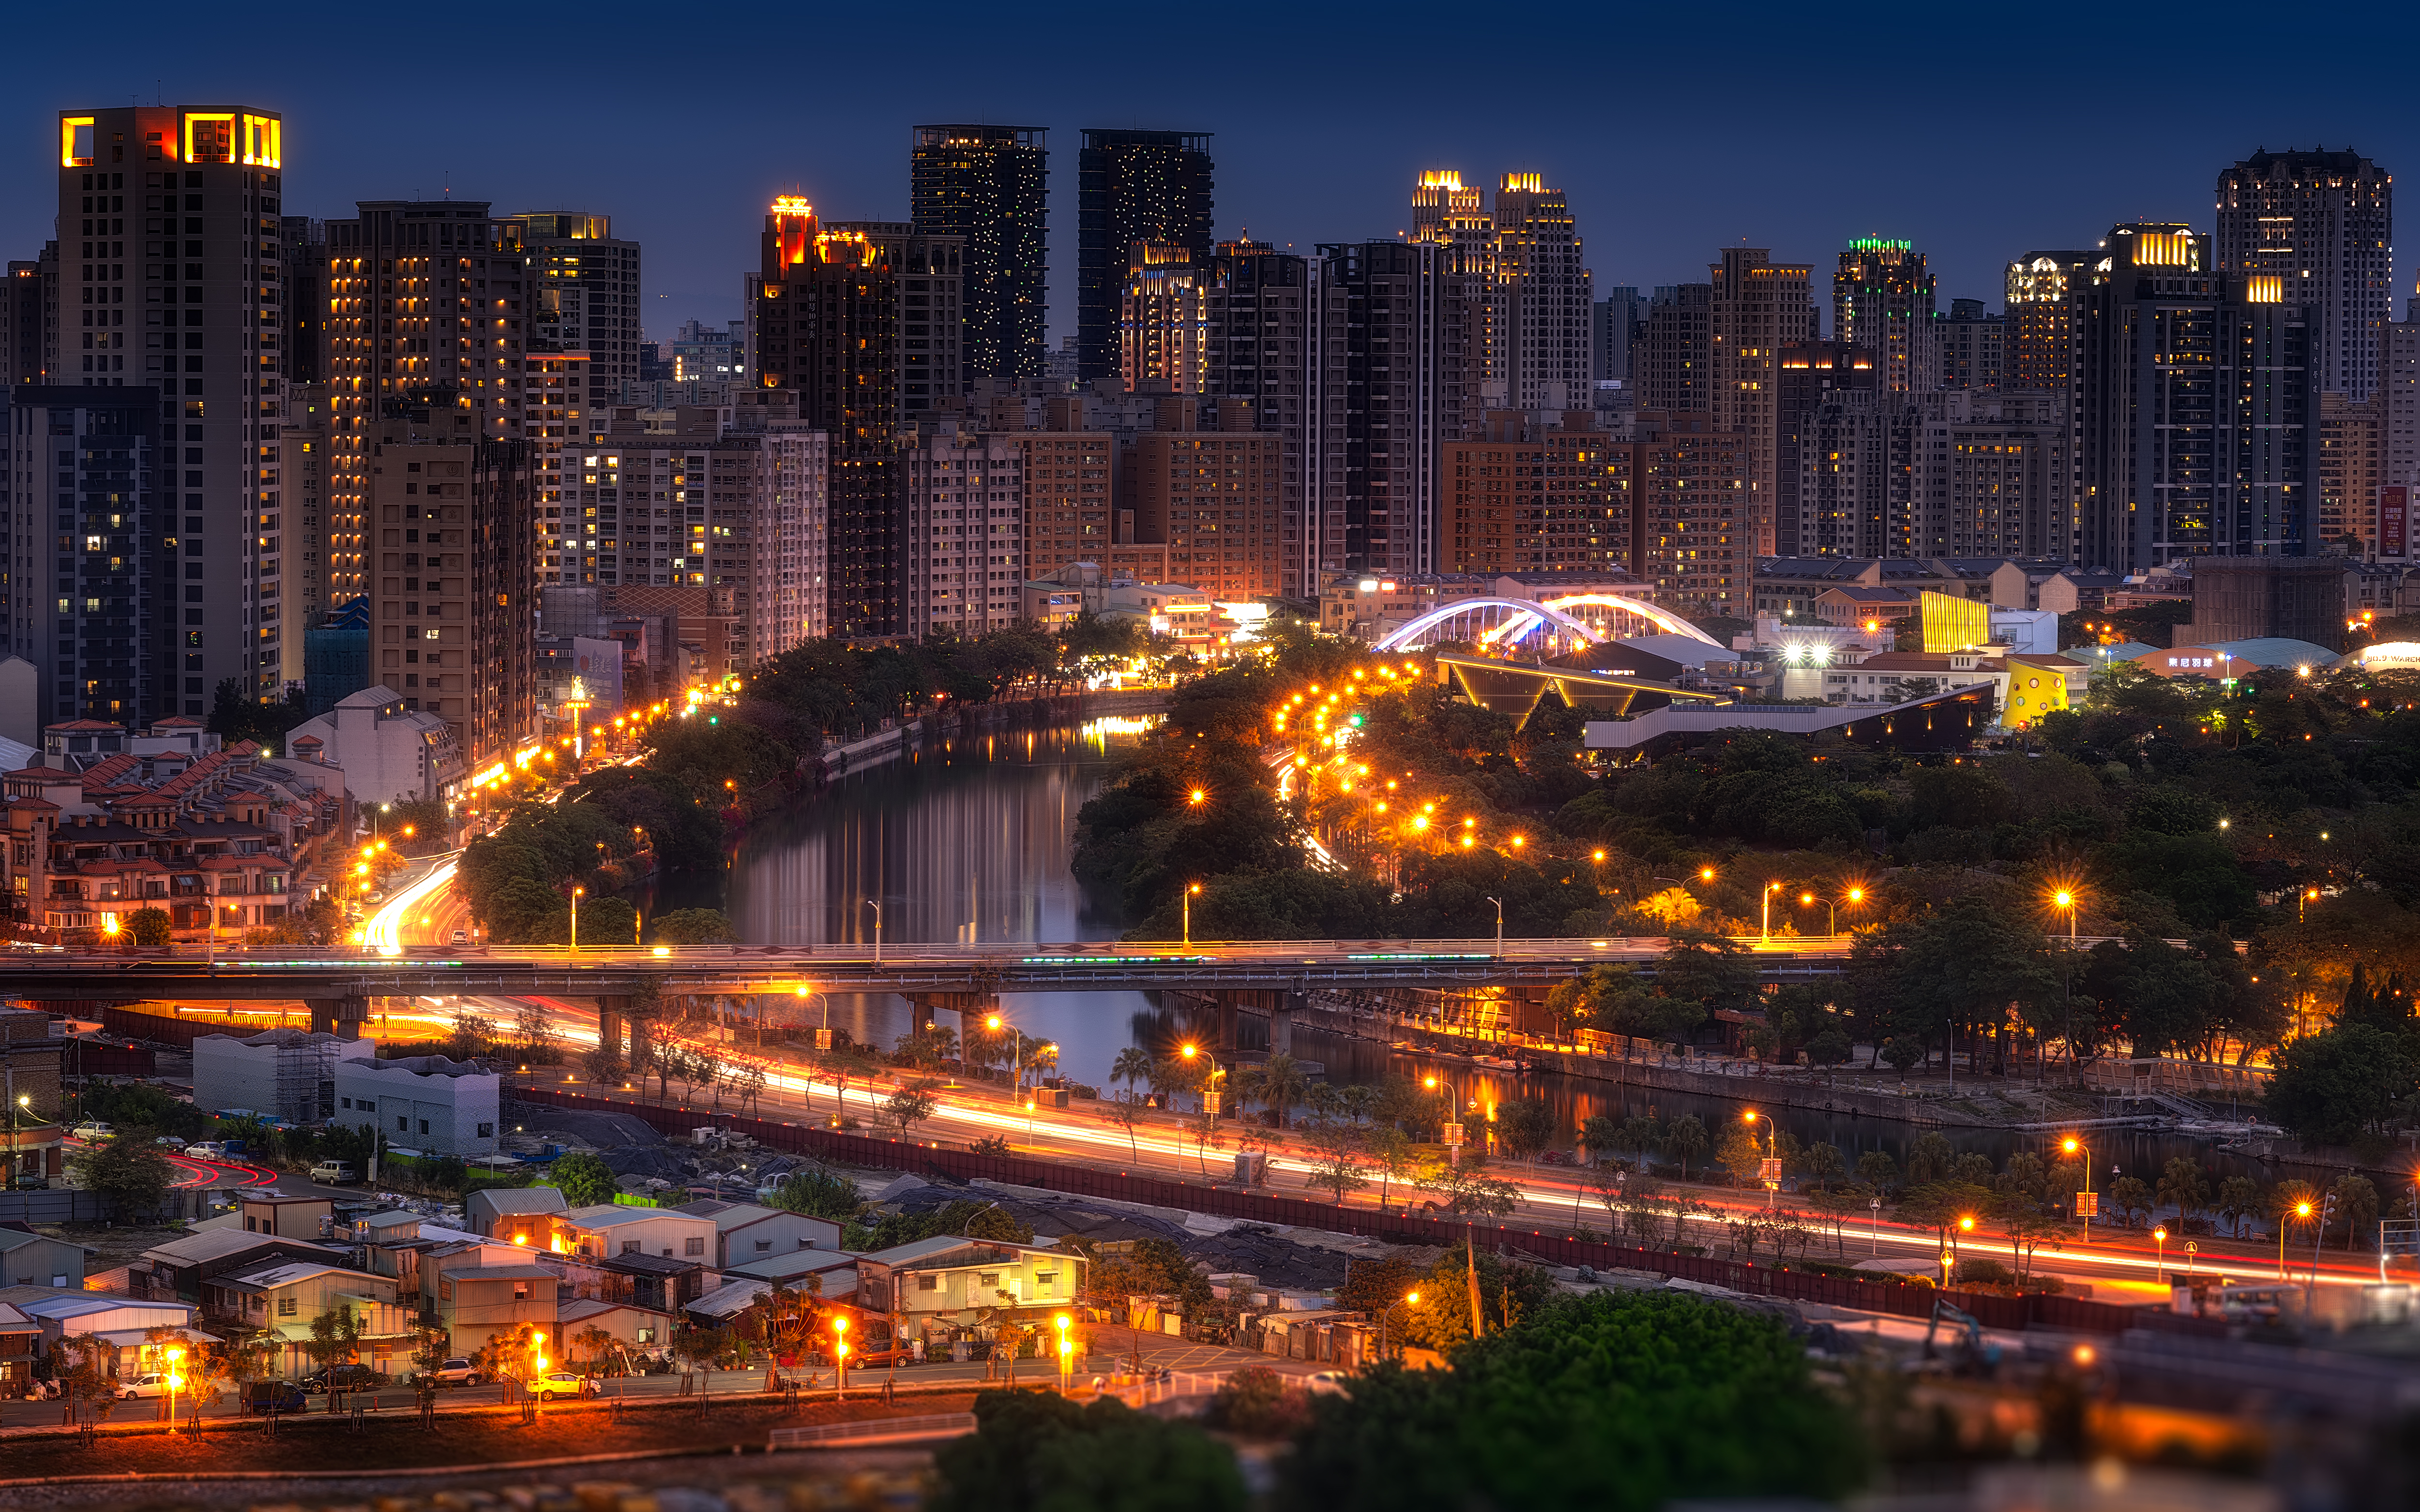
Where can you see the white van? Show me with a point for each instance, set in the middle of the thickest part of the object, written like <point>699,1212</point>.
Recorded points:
<point>333,1173</point>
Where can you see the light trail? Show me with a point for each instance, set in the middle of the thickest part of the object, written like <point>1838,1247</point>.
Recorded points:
<point>384,934</point>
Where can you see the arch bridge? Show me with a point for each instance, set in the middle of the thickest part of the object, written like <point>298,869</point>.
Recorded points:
<point>1561,622</point>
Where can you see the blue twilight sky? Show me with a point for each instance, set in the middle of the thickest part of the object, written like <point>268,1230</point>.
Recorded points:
<point>1978,132</point>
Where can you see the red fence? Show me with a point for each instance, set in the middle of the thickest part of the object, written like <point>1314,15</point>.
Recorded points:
<point>1904,1299</point>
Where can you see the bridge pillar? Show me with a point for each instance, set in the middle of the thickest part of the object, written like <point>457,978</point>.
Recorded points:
<point>613,1014</point>
<point>340,1016</point>
<point>1282,1023</point>
<point>971,1008</point>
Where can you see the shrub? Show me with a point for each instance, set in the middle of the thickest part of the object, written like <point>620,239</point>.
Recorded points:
<point>1259,1403</point>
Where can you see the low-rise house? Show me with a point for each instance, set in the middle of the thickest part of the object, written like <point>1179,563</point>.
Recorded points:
<point>523,1214</point>
<point>289,1217</point>
<point>607,1229</point>
<point>118,1322</point>
<point>939,1287</point>
<point>178,1269</point>
<point>477,1303</point>
<point>745,1231</point>
<point>429,1103</point>
<point>834,1271</point>
<point>20,1339</point>
<point>637,1329</point>
<point>31,1260</point>
<point>280,1302</point>
<point>662,1281</point>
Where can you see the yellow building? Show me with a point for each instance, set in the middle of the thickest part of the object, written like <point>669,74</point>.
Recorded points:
<point>2034,690</point>
<point>1951,622</point>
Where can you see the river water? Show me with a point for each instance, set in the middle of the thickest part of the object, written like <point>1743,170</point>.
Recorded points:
<point>968,839</point>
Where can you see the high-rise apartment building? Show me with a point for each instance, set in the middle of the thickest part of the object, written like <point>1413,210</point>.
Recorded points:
<point>1393,365</point>
<point>23,291</point>
<point>1688,491</point>
<point>2323,222</point>
<point>1755,307</point>
<point>1883,300</point>
<point>1131,186</point>
<point>987,185</point>
<point>1815,375</point>
<point>453,593</point>
<point>1547,301</point>
<point>584,295</point>
<point>93,531</point>
<point>1616,334</point>
<point>1452,215</point>
<point>427,311</point>
<point>1536,493</point>
<point>1674,365</point>
<point>2352,456</point>
<point>1163,322</point>
<point>1970,347</point>
<point>1216,497</point>
<point>964,531</point>
<point>1989,476</point>
<point>1070,497</point>
<point>863,320</point>
<point>168,277</point>
<point>1841,498</point>
<point>2398,386</point>
<point>711,354</point>
<point>1258,302</point>
<point>305,239</point>
<point>302,448</point>
<point>2197,410</point>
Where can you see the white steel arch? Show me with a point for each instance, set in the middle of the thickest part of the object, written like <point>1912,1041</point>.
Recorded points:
<point>1496,619</point>
<point>1662,619</point>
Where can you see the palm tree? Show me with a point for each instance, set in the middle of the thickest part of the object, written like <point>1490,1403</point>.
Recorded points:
<point>1686,1137</point>
<point>2182,1184</point>
<point>1282,1083</point>
<point>2239,1197</point>
<point>1134,1064</point>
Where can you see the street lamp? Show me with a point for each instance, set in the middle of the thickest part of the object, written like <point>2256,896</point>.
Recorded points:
<point>1066,1352</point>
<point>1770,888</point>
<point>1413,1298</point>
<point>1770,1167</point>
<point>538,1361</point>
<point>1499,924</point>
<point>1210,1093</point>
<point>840,1356</point>
<point>2302,1210</point>
<point>1875,1234</point>
<point>878,930</point>
<point>577,893</point>
<point>2086,1205</point>
<point>176,1379</point>
<point>995,1022</point>
<point>1190,888</point>
<point>2160,1254</point>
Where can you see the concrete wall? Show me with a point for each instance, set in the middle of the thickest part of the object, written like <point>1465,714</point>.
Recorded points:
<point>426,1103</point>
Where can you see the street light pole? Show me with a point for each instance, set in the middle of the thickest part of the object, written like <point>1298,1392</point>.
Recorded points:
<point>577,893</point>
<point>2086,1205</point>
<point>1770,888</point>
<point>1499,924</point>
<point>1190,888</point>
<point>878,930</point>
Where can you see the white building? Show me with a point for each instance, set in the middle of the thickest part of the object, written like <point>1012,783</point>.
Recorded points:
<point>964,531</point>
<point>424,1102</point>
<point>387,752</point>
<point>607,1229</point>
<point>281,1073</point>
<point>745,1231</point>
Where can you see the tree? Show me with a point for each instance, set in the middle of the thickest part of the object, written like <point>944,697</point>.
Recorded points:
<point>1877,1170</point>
<point>1134,1064</point>
<point>1626,1401</point>
<point>693,926</point>
<point>2332,1085</point>
<point>2357,1208</point>
<point>1039,1453</point>
<point>1123,1109</point>
<point>2181,1183</point>
<point>602,1066</point>
<point>911,1105</point>
<point>127,1170</point>
<point>2239,1197</point>
<point>1683,1139</point>
<point>1277,1084</point>
<point>1390,1155</point>
<point>335,1337</point>
<point>820,1194</point>
<point>584,1180</point>
<point>1337,1162</point>
<point>1525,1125</point>
<point>1465,1190</point>
<point>533,1028</point>
<point>2129,1195</point>
<point>148,927</point>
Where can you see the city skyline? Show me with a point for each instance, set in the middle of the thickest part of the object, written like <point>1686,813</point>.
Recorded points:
<point>1656,190</point>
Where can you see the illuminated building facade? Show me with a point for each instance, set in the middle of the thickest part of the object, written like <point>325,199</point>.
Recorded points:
<point>89,466</point>
<point>2352,455</point>
<point>2398,390</point>
<point>1883,300</point>
<point>302,448</point>
<point>1755,307</point>
<point>2324,222</point>
<point>1816,376</point>
<point>453,588</point>
<point>1969,348</point>
<point>1447,211</point>
<point>427,311</point>
<point>1163,322</point>
<point>1673,369</point>
<point>25,295</point>
<point>2197,412</point>
<point>584,295</point>
<point>1528,496</point>
<point>1688,486</point>
<point>1547,301</point>
<point>863,321</point>
<point>1131,186</point>
<point>1071,498</point>
<point>1216,497</point>
<point>1257,301</point>
<point>965,542</point>
<point>988,186</point>
<point>167,217</point>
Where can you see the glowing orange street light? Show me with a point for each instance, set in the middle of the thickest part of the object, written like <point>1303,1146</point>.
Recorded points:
<point>840,1353</point>
<point>1196,796</point>
<point>1190,888</point>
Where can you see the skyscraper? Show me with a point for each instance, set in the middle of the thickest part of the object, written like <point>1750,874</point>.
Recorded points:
<point>1547,295</point>
<point>159,215</point>
<point>1809,518</point>
<point>1258,307</point>
<point>863,319</point>
<point>1883,300</point>
<point>1163,323</point>
<point>1131,186</point>
<point>1673,366</point>
<point>584,295</point>
<point>1451,214</point>
<point>1755,307</point>
<point>988,185</point>
<point>1616,334</point>
<point>1970,347</point>
<point>2323,222</point>
<point>2196,408</point>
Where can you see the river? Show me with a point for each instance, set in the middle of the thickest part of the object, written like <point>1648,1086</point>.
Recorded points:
<point>968,839</point>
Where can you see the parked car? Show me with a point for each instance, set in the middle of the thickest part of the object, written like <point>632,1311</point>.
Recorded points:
<point>559,1383</point>
<point>206,1150</point>
<point>343,1377</point>
<point>92,1129</point>
<point>263,1396</point>
<point>169,1142</point>
<point>334,1172</point>
<point>151,1386</point>
<point>458,1371</point>
<point>1335,1382</point>
<point>461,936</point>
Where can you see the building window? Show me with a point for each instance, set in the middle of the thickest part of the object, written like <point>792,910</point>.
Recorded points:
<point>520,1291</point>
<point>487,1131</point>
<point>629,1246</point>
<point>284,1307</point>
<point>647,1334</point>
<point>693,1246</point>
<point>424,1126</point>
<point>763,1246</point>
<point>403,1126</point>
<point>929,1283</point>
